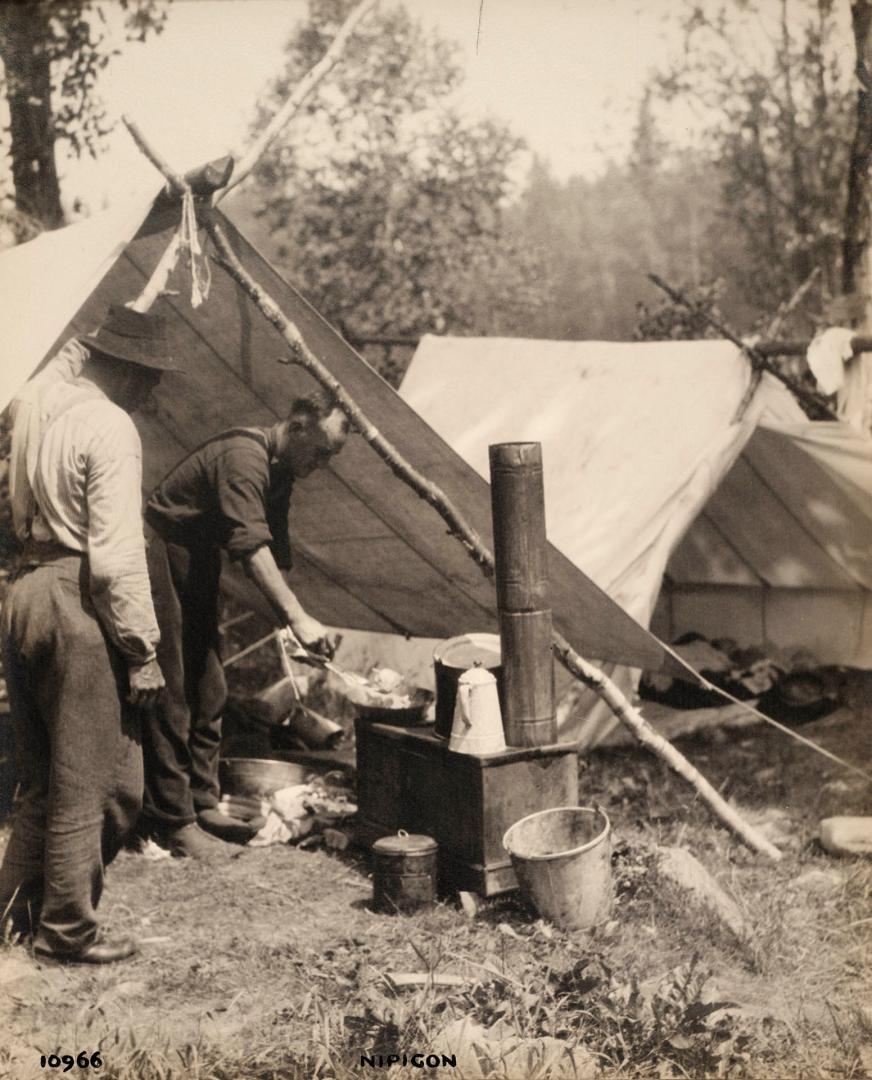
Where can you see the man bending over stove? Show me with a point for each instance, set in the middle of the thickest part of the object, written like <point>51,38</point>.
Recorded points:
<point>232,493</point>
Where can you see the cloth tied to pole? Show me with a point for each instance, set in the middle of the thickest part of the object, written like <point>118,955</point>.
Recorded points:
<point>201,274</point>
<point>184,238</point>
<point>837,370</point>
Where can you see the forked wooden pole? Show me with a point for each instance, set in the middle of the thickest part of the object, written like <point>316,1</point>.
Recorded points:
<point>772,331</point>
<point>757,358</point>
<point>175,181</point>
<point>419,483</point>
<point>462,531</point>
<point>301,91</point>
<point>458,527</point>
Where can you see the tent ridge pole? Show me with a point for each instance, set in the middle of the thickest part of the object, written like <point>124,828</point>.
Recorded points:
<point>469,538</point>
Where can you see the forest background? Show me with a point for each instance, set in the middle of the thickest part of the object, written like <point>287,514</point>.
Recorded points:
<point>398,215</point>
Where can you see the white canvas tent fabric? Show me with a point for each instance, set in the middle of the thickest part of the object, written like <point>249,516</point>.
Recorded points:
<point>369,553</point>
<point>763,529</point>
<point>46,280</point>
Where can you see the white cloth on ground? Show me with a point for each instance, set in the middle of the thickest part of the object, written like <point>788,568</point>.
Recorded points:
<point>288,818</point>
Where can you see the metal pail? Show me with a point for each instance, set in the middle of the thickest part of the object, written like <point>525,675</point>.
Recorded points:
<point>562,860</point>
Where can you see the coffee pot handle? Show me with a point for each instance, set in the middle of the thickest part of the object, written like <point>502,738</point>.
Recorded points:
<point>463,693</point>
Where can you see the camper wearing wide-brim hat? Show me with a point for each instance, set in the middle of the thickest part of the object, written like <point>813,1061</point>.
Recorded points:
<point>135,336</point>
<point>79,636</point>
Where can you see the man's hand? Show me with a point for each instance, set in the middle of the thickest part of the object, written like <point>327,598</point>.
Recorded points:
<point>312,635</point>
<point>146,683</point>
<point>261,568</point>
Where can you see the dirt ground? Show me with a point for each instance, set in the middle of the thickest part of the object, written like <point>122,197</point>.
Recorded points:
<point>271,964</point>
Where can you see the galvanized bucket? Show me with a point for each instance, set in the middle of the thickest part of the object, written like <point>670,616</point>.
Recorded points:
<point>404,872</point>
<point>562,860</point>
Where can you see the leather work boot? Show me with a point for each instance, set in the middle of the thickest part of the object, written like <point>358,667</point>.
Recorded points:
<point>191,842</point>
<point>227,828</point>
<point>101,951</point>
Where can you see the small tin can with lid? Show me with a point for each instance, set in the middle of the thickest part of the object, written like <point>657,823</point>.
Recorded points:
<point>404,872</point>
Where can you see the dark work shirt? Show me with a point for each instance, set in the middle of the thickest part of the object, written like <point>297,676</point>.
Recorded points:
<point>226,493</point>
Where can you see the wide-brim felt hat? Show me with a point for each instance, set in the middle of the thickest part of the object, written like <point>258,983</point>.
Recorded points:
<point>135,336</point>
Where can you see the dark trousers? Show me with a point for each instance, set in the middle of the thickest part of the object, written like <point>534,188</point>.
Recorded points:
<point>182,735</point>
<point>78,755</point>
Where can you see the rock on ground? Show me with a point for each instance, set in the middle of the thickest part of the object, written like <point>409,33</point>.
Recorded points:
<point>677,865</point>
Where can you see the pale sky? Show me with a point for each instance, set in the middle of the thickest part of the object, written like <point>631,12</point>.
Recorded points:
<point>565,74</point>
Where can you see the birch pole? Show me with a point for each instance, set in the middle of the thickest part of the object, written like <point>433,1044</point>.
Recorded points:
<point>175,183</point>
<point>300,92</point>
<point>772,331</point>
<point>471,540</point>
<point>423,487</point>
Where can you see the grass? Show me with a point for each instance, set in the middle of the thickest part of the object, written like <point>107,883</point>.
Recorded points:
<point>272,965</point>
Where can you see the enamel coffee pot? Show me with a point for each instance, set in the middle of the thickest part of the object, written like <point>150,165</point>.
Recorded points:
<point>478,723</point>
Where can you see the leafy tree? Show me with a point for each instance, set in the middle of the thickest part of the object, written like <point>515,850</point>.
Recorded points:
<point>384,203</point>
<point>738,221</point>
<point>603,236</point>
<point>53,52</point>
<point>770,80</point>
<point>669,321</point>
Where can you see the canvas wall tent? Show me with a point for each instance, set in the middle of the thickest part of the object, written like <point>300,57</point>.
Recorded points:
<point>759,530</point>
<point>369,553</point>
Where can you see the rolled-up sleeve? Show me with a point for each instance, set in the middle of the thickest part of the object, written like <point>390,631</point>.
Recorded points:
<point>116,546</point>
<point>241,482</point>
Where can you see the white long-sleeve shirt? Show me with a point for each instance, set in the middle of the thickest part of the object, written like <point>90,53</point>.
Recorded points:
<point>29,413</point>
<point>87,484</point>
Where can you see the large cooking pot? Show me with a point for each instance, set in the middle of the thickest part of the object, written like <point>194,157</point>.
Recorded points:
<point>450,659</point>
<point>259,776</point>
